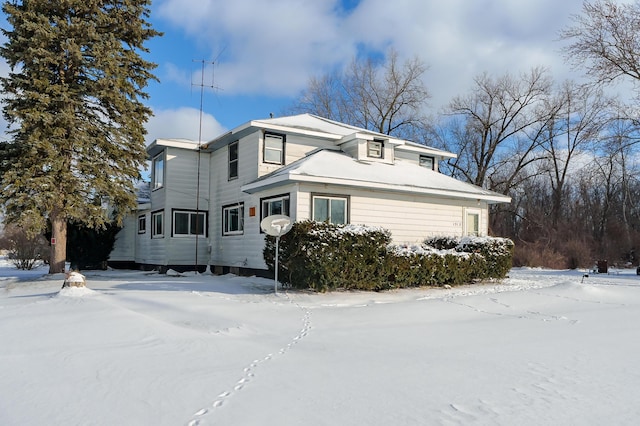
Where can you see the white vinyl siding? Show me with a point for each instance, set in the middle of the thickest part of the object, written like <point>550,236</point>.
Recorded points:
<point>409,218</point>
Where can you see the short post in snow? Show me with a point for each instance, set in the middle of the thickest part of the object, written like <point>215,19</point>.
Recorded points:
<point>276,225</point>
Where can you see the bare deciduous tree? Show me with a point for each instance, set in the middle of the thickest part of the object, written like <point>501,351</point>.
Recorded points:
<point>386,97</point>
<point>498,116</point>
<point>605,39</point>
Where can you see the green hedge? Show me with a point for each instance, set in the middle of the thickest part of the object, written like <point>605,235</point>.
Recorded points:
<point>321,257</point>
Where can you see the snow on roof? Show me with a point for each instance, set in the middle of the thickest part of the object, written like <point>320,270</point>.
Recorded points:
<point>157,145</point>
<point>335,167</point>
<point>313,125</point>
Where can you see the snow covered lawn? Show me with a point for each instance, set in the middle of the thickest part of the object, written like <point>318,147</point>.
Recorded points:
<point>145,349</point>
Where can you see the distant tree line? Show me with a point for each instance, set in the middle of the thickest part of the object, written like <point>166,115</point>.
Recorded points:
<point>566,153</point>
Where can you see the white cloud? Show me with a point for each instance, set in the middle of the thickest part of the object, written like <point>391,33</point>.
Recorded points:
<point>182,123</point>
<point>273,47</point>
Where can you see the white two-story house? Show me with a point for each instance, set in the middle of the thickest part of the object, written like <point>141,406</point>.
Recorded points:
<point>207,200</point>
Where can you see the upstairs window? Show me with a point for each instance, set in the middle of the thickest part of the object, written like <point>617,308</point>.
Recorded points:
<point>374,149</point>
<point>186,223</point>
<point>273,148</point>
<point>233,160</point>
<point>427,161</point>
<point>275,205</point>
<point>332,209</point>
<point>157,171</point>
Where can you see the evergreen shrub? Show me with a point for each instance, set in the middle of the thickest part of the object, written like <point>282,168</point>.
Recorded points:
<point>322,257</point>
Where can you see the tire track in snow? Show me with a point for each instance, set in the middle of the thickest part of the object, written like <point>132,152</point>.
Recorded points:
<point>250,370</point>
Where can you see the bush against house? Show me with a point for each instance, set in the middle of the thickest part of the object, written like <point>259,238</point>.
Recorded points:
<point>322,256</point>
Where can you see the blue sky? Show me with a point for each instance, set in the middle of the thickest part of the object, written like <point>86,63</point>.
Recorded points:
<point>265,51</point>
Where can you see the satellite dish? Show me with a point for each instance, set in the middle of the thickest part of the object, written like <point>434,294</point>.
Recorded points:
<point>276,225</point>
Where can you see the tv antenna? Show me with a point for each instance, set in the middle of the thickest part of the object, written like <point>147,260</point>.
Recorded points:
<point>202,86</point>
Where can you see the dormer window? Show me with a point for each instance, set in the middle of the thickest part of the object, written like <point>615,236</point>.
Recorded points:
<point>273,148</point>
<point>427,161</point>
<point>374,149</point>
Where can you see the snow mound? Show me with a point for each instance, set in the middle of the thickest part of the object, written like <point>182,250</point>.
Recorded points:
<point>76,292</point>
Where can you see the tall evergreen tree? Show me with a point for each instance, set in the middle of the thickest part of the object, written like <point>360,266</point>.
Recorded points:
<point>73,98</point>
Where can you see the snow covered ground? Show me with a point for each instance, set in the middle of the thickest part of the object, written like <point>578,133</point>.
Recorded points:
<point>540,348</point>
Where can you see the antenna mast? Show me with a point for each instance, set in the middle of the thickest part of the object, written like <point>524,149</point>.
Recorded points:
<point>202,87</point>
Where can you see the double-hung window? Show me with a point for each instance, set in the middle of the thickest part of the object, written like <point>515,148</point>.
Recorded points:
<point>142,224</point>
<point>188,223</point>
<point>233,160</point>
<point>157,171</point>
<point>332,209</point>
<point>273,148</point>
<point>275,205</point>
<point>233,219</point>
<point>157,224</point>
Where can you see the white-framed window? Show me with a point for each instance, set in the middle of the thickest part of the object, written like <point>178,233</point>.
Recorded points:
<point>189,223</point>
<point>427,161</point>
<point>157,224</point>
<point>274,205</point>
<point>142,224</point>
<point>330,208</point>
<point>233,160</point>
<point>375,149</point>
<point>233,219</point>
<point>157,171</point>
<point>273,148</point>
<point>472,222</point>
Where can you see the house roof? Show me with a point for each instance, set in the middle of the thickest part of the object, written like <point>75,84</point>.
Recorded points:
<point>338,168</point>
<point>315,126</point>
<point>158,145</point>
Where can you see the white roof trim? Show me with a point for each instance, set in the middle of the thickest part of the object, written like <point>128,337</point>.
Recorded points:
<point>336,168</point>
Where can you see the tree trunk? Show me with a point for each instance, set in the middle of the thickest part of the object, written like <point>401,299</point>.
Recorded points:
<point>59,244</point>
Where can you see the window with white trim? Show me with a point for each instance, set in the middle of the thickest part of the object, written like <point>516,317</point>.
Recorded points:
<point>189,223</point>
<point>273,148</point>
<point>233,219</point>
<point>274,205</point>
<point>157,171</point>
<point>472,226</point>
<point>375,149</point>
<point>233,160</point>
<point>332,209</point>
<point>427,161</point>
<point>157,224</point>
<point>142,224</point>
